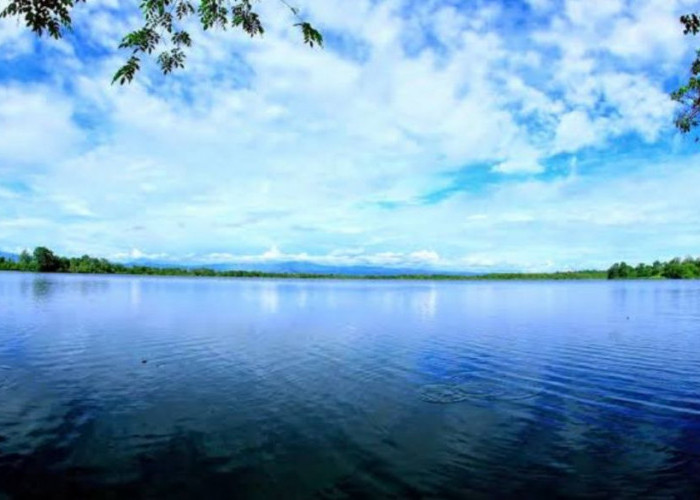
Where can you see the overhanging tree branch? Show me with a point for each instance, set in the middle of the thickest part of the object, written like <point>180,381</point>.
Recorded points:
<point>162,26</point>
<point>688,95</point>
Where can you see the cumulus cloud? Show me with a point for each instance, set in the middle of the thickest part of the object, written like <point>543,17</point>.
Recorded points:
<point>36,123</point>
<point>431,135</point>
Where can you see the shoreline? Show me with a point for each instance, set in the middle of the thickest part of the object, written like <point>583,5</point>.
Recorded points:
<point>205,273</point>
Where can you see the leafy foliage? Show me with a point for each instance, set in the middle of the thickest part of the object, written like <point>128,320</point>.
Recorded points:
<point>46,261</point>
<point>677,268</point>
<point>688,95</point>
<point>311,36</point>
<point>161,28</point>
<point>244,17</point>
<point>51,16</point>
<point>691,22</point>
<point>126,73</point>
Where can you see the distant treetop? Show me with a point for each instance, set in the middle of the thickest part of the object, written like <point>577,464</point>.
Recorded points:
<point>677,268</point>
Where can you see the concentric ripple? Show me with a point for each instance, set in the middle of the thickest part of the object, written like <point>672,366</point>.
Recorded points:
<point>459,390</point>
<point>443,393</point>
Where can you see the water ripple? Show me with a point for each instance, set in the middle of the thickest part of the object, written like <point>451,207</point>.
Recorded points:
<point>305,389</point>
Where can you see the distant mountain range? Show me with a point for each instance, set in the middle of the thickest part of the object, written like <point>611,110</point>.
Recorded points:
<point>9,255</point>
<point>310,267</point>
<point>297,267</point>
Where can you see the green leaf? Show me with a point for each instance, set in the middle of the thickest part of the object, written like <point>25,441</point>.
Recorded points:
<point>244,17</point>
<point>181,38</point>
<point>126,73</point>
<point>311,35</point>
<point>170,60</point>
<point>212,13</point>
<point>143,40</point>
<point>51,16</point>
<point>691,22</point>
<point>184,9</point>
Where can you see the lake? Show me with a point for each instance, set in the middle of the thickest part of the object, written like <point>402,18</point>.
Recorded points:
<point>127,387</point>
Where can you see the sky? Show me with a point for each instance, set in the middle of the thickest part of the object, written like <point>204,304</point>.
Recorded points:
<point>459,135</point>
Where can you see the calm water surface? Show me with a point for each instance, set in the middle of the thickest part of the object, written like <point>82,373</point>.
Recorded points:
<point>129,387</point>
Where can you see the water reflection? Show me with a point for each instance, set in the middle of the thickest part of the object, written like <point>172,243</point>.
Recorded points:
<point>273,389</point>
<point>302,297</point>
<point>425,301</point>
<point>269,297</point>
<point>42,288</point>
<point>135,292</point>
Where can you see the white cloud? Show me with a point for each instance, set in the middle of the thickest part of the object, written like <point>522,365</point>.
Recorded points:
<point>263,145</point>
<point>641,106</point>
<point>36,124</point>
<point>337,257</point>
<point>14,40</point>
<point>587,14</point>
<point>575,131</point>
<point>136,254</point>
<point>523,159</point>
<point>425,256</point>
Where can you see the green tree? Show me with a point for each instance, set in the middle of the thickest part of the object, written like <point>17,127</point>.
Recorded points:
<point>688,95</point>
<point>626,271</point>
<point>163,29</point>
<point>673,269</point>
<point>642,271</point>
<point>26,263</point>
<point>46,261</point>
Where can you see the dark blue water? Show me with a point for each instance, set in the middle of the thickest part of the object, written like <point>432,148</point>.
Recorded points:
<point>125,387</point>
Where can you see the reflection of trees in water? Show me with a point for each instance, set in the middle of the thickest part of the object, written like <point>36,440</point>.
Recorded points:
<point>44,287</point>
<point>92,286</point>
<point>40,288</point>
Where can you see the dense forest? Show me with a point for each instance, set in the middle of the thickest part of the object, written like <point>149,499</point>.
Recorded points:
<point>677,268</point>
<point>45,261</point>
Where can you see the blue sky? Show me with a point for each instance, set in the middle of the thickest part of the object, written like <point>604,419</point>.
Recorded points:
<point>522,134</point>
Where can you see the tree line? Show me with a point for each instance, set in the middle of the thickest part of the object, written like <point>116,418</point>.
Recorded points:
<point>45,260</point>
<point>677,268</point>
